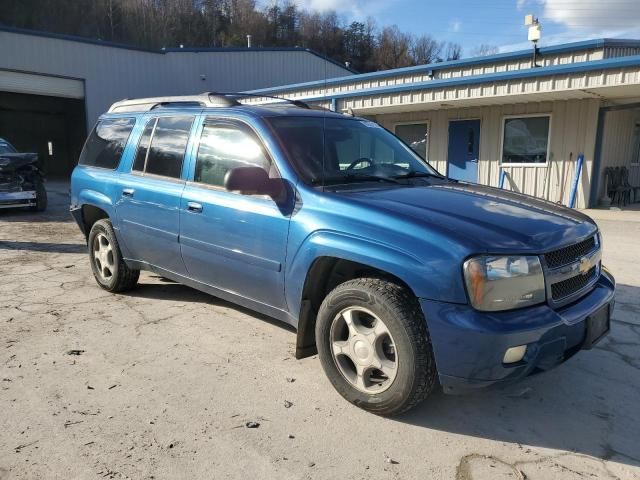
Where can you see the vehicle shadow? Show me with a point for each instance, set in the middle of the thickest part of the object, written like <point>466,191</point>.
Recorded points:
<point>44,247</point>
<point>170,290</point>
<point>588,405</point>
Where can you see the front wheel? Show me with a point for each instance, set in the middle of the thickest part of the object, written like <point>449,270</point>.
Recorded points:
<point>374,346</point>
<point>109,269</point>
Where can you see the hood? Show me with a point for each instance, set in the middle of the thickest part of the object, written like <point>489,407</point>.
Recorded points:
<point>13,161</point>
<point>485,219</point>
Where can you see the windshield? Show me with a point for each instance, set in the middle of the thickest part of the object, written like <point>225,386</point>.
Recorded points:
<point>6,147</point>
<point>354,151</point>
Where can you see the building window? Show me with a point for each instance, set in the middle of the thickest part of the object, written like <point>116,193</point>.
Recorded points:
<point>526,140</point>
<point>416,135</point>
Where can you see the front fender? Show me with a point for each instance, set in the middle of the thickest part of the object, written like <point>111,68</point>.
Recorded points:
<point>430,278</point>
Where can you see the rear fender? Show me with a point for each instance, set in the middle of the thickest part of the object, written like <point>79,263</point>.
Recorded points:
<point>103,202</point>
<point>97,199</point>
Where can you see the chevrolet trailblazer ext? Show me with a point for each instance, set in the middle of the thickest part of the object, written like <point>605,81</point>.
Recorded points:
<point>397,276</point>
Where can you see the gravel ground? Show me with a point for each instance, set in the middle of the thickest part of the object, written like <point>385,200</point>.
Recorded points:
<point>161,382</point>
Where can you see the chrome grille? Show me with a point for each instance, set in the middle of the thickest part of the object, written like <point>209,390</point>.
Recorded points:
<point>572,285</point>
<point>570,254</point>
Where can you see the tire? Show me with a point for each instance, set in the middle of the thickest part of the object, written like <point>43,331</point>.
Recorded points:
<point>41,197</point>
<point>406,344</point>
<point>107,265</point>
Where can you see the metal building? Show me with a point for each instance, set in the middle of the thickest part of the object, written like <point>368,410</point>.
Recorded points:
<point>476,118</point>
<point>54,87</point>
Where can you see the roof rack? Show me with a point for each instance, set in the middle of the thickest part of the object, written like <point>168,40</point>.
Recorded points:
<point>297,103</point>
<point>207,99</point>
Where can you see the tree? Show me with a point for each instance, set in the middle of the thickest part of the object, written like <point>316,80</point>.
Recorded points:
<point>453,51</point>
<point>426,50</point>
<point>484,50</point>
<point>393,49</point>
<point>221,23</point>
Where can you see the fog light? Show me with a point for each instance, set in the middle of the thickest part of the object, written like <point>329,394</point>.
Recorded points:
<point>514,354</point>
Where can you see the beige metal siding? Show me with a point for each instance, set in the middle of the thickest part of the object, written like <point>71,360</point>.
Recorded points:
<point>354,84</point>
<point>573,131</point>
<point>612,52</point>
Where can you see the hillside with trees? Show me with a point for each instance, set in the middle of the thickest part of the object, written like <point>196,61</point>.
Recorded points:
<point>226,23</point>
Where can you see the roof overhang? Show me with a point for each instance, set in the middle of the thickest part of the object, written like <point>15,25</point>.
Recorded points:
<point>615,80</point>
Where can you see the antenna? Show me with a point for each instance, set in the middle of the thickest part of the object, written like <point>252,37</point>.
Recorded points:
<point>534,34</point>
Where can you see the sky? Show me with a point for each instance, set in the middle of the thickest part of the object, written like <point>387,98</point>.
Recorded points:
<point>499,23</point>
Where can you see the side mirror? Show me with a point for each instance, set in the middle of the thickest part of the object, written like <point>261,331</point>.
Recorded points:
<point>252,181</point>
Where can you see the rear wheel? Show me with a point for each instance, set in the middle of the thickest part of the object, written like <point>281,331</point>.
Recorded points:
<point>374,346</point>
<point>109,269</point>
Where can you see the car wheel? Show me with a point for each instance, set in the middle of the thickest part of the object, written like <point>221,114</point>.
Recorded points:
<point>109,269</point>
<point>41,197</point>
<point>374,346</point>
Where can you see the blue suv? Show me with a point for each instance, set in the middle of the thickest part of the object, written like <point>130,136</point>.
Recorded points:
<point>398,277</point>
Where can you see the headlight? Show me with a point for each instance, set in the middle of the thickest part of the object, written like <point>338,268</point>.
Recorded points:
<point>503,283</point>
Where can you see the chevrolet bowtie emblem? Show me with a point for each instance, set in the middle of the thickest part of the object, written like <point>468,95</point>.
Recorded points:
<point>585,265</point>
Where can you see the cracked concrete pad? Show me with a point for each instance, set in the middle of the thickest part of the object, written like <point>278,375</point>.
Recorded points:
<point>481,467</point>
<point>167,365</point>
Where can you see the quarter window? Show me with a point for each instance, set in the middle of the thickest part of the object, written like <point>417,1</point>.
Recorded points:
<point>416,136</point>
<point>526,140</point>
<point>162,146</point>
<point>223,147</point>
<point>106,143</point>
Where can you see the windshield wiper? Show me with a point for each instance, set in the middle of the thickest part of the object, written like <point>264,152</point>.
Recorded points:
<point>354,177</point>
<point>415,174</point>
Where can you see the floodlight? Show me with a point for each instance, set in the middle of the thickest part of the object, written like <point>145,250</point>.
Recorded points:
<point>534,32</point>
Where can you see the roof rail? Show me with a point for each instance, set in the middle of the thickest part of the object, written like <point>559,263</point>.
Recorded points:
<point>297,103</point>
<point>207,99</point>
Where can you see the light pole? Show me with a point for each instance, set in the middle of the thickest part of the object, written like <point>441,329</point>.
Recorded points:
<point>535,31</point>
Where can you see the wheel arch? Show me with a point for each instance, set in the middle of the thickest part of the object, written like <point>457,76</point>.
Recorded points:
<point>94,206</point>
<point>332,267</point>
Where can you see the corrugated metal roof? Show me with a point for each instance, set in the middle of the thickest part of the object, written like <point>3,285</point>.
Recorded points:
<point>465,62</point>
<point>444,87</point>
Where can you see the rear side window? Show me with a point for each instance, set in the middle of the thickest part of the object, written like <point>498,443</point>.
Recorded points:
<point>106,143</point>
<point>162,146</point>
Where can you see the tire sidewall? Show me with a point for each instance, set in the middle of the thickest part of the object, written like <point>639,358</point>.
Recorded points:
<point>104,227</point>
<point>402,385</point>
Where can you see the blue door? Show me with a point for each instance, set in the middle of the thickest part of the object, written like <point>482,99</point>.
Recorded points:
<point>233,242</point>
<point>464,149</point>
<point>150,194</point>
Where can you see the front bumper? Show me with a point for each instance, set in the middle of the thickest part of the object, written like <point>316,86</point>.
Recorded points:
<point>18,199</point>
<point>469,345</point>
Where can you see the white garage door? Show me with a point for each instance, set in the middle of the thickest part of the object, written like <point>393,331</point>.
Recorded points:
<point>34,84</point>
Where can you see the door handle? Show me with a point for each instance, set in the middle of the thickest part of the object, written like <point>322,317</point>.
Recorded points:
<point>194,207</point>
<point>128,192</point>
